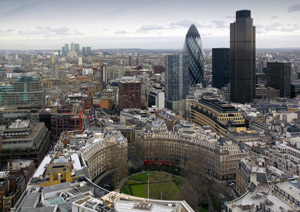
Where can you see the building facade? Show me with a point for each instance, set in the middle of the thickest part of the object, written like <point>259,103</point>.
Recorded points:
<point>193,57</point>
<point>130,94</point>
<point>242,58</point>
<point>218,115</point>
<point>192,151</point>
<point>24,140</point>
<point>176,80</point>
<point>24,91</point>
<point>279,77</point>
<point>220,67</point>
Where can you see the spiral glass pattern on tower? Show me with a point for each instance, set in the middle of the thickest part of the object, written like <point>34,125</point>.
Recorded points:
<point>193,56</point>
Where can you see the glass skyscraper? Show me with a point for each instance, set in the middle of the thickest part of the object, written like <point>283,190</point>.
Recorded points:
<point>220,67</point>
<point>242,58</point>
<point>176,82</point>
<point>193,56</point>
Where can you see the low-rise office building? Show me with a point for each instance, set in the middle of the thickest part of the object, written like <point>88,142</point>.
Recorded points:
<point>24,140</point>
<point>217,114</point>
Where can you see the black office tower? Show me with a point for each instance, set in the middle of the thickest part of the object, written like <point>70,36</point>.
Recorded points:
<point>242,58</point>
<point>279,77</point>
<point>220,67</point>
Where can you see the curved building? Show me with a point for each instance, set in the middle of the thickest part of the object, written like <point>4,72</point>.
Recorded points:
<point>193,61</point>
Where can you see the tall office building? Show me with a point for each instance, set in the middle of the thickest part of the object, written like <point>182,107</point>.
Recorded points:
<point>220,67</point>
<point>73,47</point>
<point>103,73</point>
<point>63,51</point>
<point>279,77</point>
<point>54,68</point>
<point>193,56</point>
<point>66,48</point>
<point>54,71</point>
<point>76,47</point>
<point>130,94</point>
<point>177,84</point>
<point>79,61</point>
<point>242,58</point>
<point>88,50</point>
<point>130,62</point>
<point>83,51</point>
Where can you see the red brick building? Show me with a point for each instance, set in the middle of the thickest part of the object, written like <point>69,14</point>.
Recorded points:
<point>130,94</point>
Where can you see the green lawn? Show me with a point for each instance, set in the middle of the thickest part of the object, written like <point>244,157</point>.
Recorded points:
<point>160,184</point>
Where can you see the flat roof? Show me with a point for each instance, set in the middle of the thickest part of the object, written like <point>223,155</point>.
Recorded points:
<point>42,167</point>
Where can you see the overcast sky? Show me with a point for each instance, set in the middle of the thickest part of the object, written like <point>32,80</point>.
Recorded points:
<point>155,24</point>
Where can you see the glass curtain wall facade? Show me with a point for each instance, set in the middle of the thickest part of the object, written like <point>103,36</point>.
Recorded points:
<point>242,58</point>
<point>193,57</point>
<point>176,82</point>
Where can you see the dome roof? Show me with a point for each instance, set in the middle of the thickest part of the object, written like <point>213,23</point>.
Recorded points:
<point>193,32</point>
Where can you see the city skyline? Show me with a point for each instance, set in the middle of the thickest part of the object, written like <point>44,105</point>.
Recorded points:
<point>33,24</point>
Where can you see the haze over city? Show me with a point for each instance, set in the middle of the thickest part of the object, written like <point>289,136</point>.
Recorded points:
<point>156,24</point>
<point>149,105</point>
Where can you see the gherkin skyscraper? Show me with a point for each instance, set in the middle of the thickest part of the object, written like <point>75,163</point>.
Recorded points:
<point>193,57</point>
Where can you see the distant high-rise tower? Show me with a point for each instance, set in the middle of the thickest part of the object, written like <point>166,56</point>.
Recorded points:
<point>220,67</point>
<point>77,47</point>
<point>88,51</point>
<point>130,58</point>
<point>66,48</point>
<point>242,58</point>
<point>73,47</point>
<point>279,77</point>
<point>79,61</point>
<point>54,68</point>
<point>103,73</point>
<point>83,51</point>
<point>177,84</point>
<point>193,56</point>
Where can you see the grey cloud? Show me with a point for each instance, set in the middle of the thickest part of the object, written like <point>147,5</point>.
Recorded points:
<point>294,8</point>
<point>277,27</point>
<point>184,23</point>
<point>77,33</point>
<point>1,31</point>
<point>187,23</point>
<point>220,24</point>
<point>151,27</point>
<point>274,17</point>
<point>53,31</point>
<point>39,27</point>
<point>121,32</point>
<point>10,30</point>
<point>146,28</point>
<point>229,17</point>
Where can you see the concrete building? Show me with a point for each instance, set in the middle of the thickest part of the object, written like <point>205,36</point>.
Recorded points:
<point>130,94</point>
<point>218,115</point>
<point>157,98</point>
<point>24,91</point>
<point>197,149</point>
<point>285,158</point>
<point>79,61</point>
<point>24,140</point>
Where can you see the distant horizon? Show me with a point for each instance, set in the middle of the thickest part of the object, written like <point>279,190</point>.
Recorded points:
<point>161,49</point>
